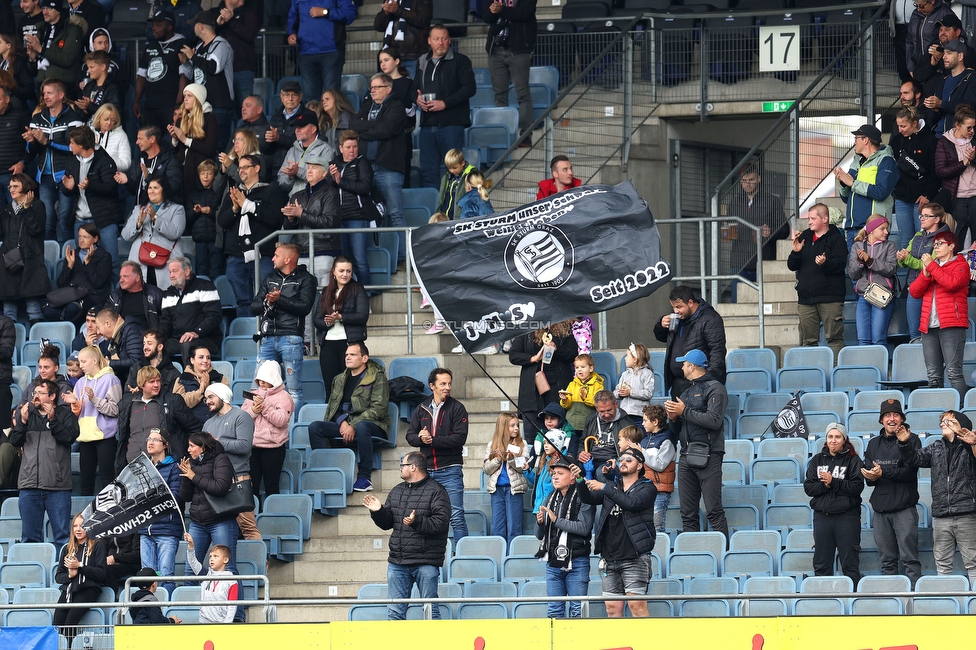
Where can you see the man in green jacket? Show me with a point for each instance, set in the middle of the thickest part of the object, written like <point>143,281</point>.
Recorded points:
<point>357,411</point>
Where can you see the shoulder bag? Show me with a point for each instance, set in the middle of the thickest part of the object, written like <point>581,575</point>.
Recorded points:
<point>13,260</point>
<point>239,498</point>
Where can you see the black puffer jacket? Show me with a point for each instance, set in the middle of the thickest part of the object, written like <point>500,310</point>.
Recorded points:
<point>897,488</point>
<point>518,19</point>
<point>102,192</point>
<point>637,504</point>
<point>12,124</point>
<point>8,341</point>
<point>25,228</point>
<point>953,474</point>
<point>213,473</point>
<point>125,349</point>
<point>355,313</point>
<point>704,331</point>
<point>425,540</point>
<point>844,493</point>
<point>820,283</point>
<point>320,209</point>
<point>152,299</point>
<point>413,20</point>
<point>704,417</point>
<point>287,316</point>
<point>96,276</point>
<point>355,187</point>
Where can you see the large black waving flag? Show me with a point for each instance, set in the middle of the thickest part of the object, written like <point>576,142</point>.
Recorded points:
<point>588,249</point>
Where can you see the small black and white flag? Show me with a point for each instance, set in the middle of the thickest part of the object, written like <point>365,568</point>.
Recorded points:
<point>790,422</point>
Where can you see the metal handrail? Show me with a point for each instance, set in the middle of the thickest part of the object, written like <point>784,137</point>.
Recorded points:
<point>407,286</point>
<point>270,606</point>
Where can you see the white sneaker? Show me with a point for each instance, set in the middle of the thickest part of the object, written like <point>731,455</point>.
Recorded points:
<point>507,347</point>
<point>436,328</point>
<point>491,349</point>
<point>458,350</point>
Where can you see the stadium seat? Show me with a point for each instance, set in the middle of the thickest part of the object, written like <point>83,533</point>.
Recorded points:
<point>865,355</point>
<point>285,523</point>
<point>805,356</point>
<point>522,567</point>
<point>757,540</point>
<point>61,331</point>
<point>490,546</point>
<point>748,381</point>
<point>243,326</point>
<point>417,367</point>
<point>530,610</point>
<point>30,352</point>
<point>766,402</point>
<point>880,606</point>
<point>789,493</point>
<point>235,348</point>
<point>16,575</point>
<point>939,604</point>
<point>751,358</point>
<point>779,585</point>
<point>711,542</point>
<point>743,516</point>
<point>748,564</point>
<point>907,363</point>
<point>787,517</point>
<point>775,470</point>
<point>754,425</point>
<point>28,618</point>
<point>801,378</point>
<point>862,421</point>
<point>818,421</point>
<point>836,401</point>
<point>368,613</point>
<point>605,364</point>
<point>733,472</point>
<point>482,611</point>
<point>797,448</point>
<point>944,399</point>
<point>741,450</point>
<point>686,565</point>
<point>927,420</point>
<point>326,486</point>
<point>43,553</point>
<point>344,459</point>
<point>226,368</point>
<point>851,379</point>
<point>424,197</point>
<point>472,567</point>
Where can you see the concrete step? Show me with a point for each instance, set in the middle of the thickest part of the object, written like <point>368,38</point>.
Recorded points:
<point>728,310</point>
<point>773,292</point>
<point>484,386</point>
<point>777,271</point>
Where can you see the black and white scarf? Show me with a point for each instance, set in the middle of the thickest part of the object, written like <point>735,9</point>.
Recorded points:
<point>555,548</point>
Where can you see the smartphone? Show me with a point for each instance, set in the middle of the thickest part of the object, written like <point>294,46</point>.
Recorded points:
<point>248,395</point>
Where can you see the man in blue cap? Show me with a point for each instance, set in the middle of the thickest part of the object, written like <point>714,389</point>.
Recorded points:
<point>699,418</point>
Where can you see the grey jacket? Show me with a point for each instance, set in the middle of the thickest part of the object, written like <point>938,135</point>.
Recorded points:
<point>298,153</point>
<point>46,464</point>
<point>880,268</point>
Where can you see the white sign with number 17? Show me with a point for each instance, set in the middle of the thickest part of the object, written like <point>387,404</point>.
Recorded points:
<point>779,48</point>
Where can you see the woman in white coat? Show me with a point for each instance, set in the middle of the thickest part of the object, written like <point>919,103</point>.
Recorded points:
<point>160,223</point>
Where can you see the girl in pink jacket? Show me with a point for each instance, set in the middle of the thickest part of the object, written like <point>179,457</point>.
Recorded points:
<point>271,408</point>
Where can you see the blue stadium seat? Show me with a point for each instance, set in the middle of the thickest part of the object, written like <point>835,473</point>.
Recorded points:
<point>907,363</point>
<point>355,84</point>
<point>789,493</point>
<point>880,606</point>
<point>326,486</point>
<point>796,562</point>
<point>754,425</point>
<point>421,197</point>
<point>865,355</point>
<point>686,565</point>
<point>482,611</point>
<point>775,470</point>
<point>368,613</point>
<point>344,459</point>
<point>285,524</point>
<point>28,618</point>
<point>733,472</point>
<point>226,368</point>
<point>243,326</point>
<point>264,88</point>
<point>238,388</point>
<point>704,608</point>
<point>823,606</point>
<point>741,450</point>
<point>751,358</point>
<point>797,448</point>
<point>805,356</point>
<point>836,401</point>
<point>417,367</point>
<point>312,412</point>
<point>862,421</point>
<point>235,348</point>
<point>939,604</point>
<point>801,378</point>
<point>472,567</point>
<point>945,399</point>
<point>606,365</point>
<point>523,567</point>
<point>15,575</point>
<point>245,369</point>
<point>61,331</point>
<point>747,381</point>
<point>30,352</point>
<point>779,585</point>
<point>925,420</point>
<point>490,546</point>
<point>786,517</point>
<point>43,553</point>
<point>851,379</point>
<point>379,265</point>
<point>748,564</point>
<point>712,542</point>
<point>766,402</point>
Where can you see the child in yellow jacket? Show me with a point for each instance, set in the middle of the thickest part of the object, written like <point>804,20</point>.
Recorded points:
<point>577,399</point>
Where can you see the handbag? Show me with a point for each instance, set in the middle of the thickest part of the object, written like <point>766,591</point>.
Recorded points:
<point>153,255</point>
<point>541,381</point>
<point>13,260</point>
<point>64,295</point>
<point>878,295</point>
<point>239,498</point>
<point>697,455</point>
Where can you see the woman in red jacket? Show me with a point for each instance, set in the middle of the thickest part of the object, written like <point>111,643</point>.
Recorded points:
<point>943,286</point>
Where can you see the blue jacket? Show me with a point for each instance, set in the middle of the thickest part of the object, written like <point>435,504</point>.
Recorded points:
<point>875,178</point>
<point>170,526</point>
<point>472,206</point>
<point>320,35</point>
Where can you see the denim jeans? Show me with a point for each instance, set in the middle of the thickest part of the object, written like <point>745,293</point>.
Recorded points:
<point>435,142</point>
<point>872,322</point>
<point>318,72</point>
<point>942,350</point>
<point>504,66</point>
<point>568,583</point>
<point>913,311</point>
<point>240,274</point>
<point>947,534</point>
<point>60,218</point>
<point>10,309</point>
<point>400,579</point>
<point>159,552</point>
<point>243,86</point>
<point>205,535</point>
<point>661,510</point>
<point>411,67</point>
<point>33,505</point>
<point>289,351</point>
<point>906,216</point>
<point>452,480</point>
<point>354,246</point>
<point>506,513</point>
<point>319,432</point>
<point>390,185</point>
<point>108,238</point>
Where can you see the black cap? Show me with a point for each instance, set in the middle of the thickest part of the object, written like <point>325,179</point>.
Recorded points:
<point>291,87</point>
<point>950,20</point>
<point>890,406</point>
<point>53,4</point>
<point>204,18</point>
<point>565,461</point>
<point>963,420</point>
<point>164,16</point>
<point>304,118</point>
<point>869,131</point>
<point>146,572</point>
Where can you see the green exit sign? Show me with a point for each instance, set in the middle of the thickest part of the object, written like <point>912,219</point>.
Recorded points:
<point>776,107</point>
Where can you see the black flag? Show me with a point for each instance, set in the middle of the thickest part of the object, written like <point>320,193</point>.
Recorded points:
<point>136,498</point>
<point>588,249</point>
<point>790,422</point>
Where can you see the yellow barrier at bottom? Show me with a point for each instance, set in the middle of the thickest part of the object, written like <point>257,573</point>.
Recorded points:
<point>788,633</point>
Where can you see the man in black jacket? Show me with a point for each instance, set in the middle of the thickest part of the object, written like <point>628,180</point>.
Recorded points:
<point>443,98</point>
<point>157,159</point>
<point>819,259</point>
<point>124,341</point>
<point>8,455</point>
<point>286,297</point>
<point>153,354</point>
<point>418,510</point>
<point>238,23</point>
<point>249,213</point>
<point>148,409</point>
<point>895,495</point>
<point>440,428</point>
<point>953,466</point>
<point>380,123</point>
<point>946,96</point>
<point>280,138</point>
<point>90,181</point>
<point>511,39</point>
<point>253,119</point>
<point>625,533</point>
<point>315,206</point>
<point>191,311</point>
<point>699,418</point>
<point>136,301</point>
<point>694,325</point>
<point>12,123</point>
